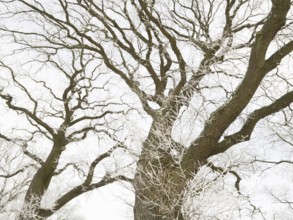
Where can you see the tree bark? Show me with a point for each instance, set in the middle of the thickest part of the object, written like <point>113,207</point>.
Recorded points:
<point>32,203</point>
<point>159,184</point>
<point>143,211</point>
<point>154,203</point>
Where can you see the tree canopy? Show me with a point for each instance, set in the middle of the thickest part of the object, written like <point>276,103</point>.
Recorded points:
<point>163,94</point>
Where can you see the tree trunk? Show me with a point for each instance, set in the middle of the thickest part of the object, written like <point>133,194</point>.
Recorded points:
<point>144,211</point>
<point>161,180</point>
<point>31,209</point>
<point>159,183</point>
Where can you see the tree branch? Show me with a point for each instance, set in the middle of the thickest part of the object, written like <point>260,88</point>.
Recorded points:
<point>245,133</point>
<point>79,190</point>
<point>220,119</point>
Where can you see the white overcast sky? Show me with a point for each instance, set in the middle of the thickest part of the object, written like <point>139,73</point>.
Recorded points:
<point>114,202</point>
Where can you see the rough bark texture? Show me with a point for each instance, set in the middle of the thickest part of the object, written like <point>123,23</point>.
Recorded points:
<point>156,194</point>
<point>147,205</point>
<point>41,181</point>
<point>146,49</point>
<point>144,211</point>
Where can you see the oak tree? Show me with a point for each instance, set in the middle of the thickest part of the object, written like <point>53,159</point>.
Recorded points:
<point>204,73</point>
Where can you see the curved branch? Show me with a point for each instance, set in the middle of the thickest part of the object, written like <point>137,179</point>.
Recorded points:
<point>221,119</point>
<point>79,190</point>
<point>31,115</point>
<point>93,117</point>
<point>17,172</point>
<point>274,60</point>
<point>245,133</point>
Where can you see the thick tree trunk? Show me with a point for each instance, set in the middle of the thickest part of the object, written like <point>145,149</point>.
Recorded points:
<point>144,211</point>
<point>159,183</point>
<point>153,204</point>
<point>161,180</point>
<point>31,209</point>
